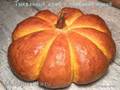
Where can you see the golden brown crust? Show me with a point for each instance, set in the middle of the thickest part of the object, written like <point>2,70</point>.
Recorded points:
<point>70,14</point>
<point>91,62</point>
<point>79,51</point>
<point>91,21</point>
<point>24,54</point>
<point>56,71</point>
<point>102,40</point>
<point>52,19</point>
<point>30,25</point>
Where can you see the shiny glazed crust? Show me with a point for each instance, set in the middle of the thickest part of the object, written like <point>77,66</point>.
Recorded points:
<point>80,52</point>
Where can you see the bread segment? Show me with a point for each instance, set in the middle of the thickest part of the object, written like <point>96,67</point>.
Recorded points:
<point>91,62</point>
<point>30,25</point>
<point>102,40</point>
<point>70,15</point>
<point>27,54</point>
<point>91,21</point>
<point>56,71</point>
<point>43,14</point>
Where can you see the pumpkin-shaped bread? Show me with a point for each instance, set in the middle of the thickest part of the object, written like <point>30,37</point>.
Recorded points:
<point>72,47</point>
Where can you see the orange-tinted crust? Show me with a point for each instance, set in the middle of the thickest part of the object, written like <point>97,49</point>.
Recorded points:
<point>56,71</point>
<point>80,52</point>
<point>28,50</point>
<point>91,62</point>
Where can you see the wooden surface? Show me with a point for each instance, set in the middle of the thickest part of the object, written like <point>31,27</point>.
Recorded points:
<point>10,15</point>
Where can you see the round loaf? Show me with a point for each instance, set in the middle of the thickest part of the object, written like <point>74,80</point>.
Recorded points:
<point>58,50</point>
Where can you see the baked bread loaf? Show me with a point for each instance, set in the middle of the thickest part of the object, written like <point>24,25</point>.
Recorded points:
<point>58,50</point>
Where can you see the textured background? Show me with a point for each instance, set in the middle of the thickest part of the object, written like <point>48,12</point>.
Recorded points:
<point>11,13</point>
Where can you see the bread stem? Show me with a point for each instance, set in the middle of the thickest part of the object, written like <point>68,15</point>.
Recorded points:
<point>61,21</point>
